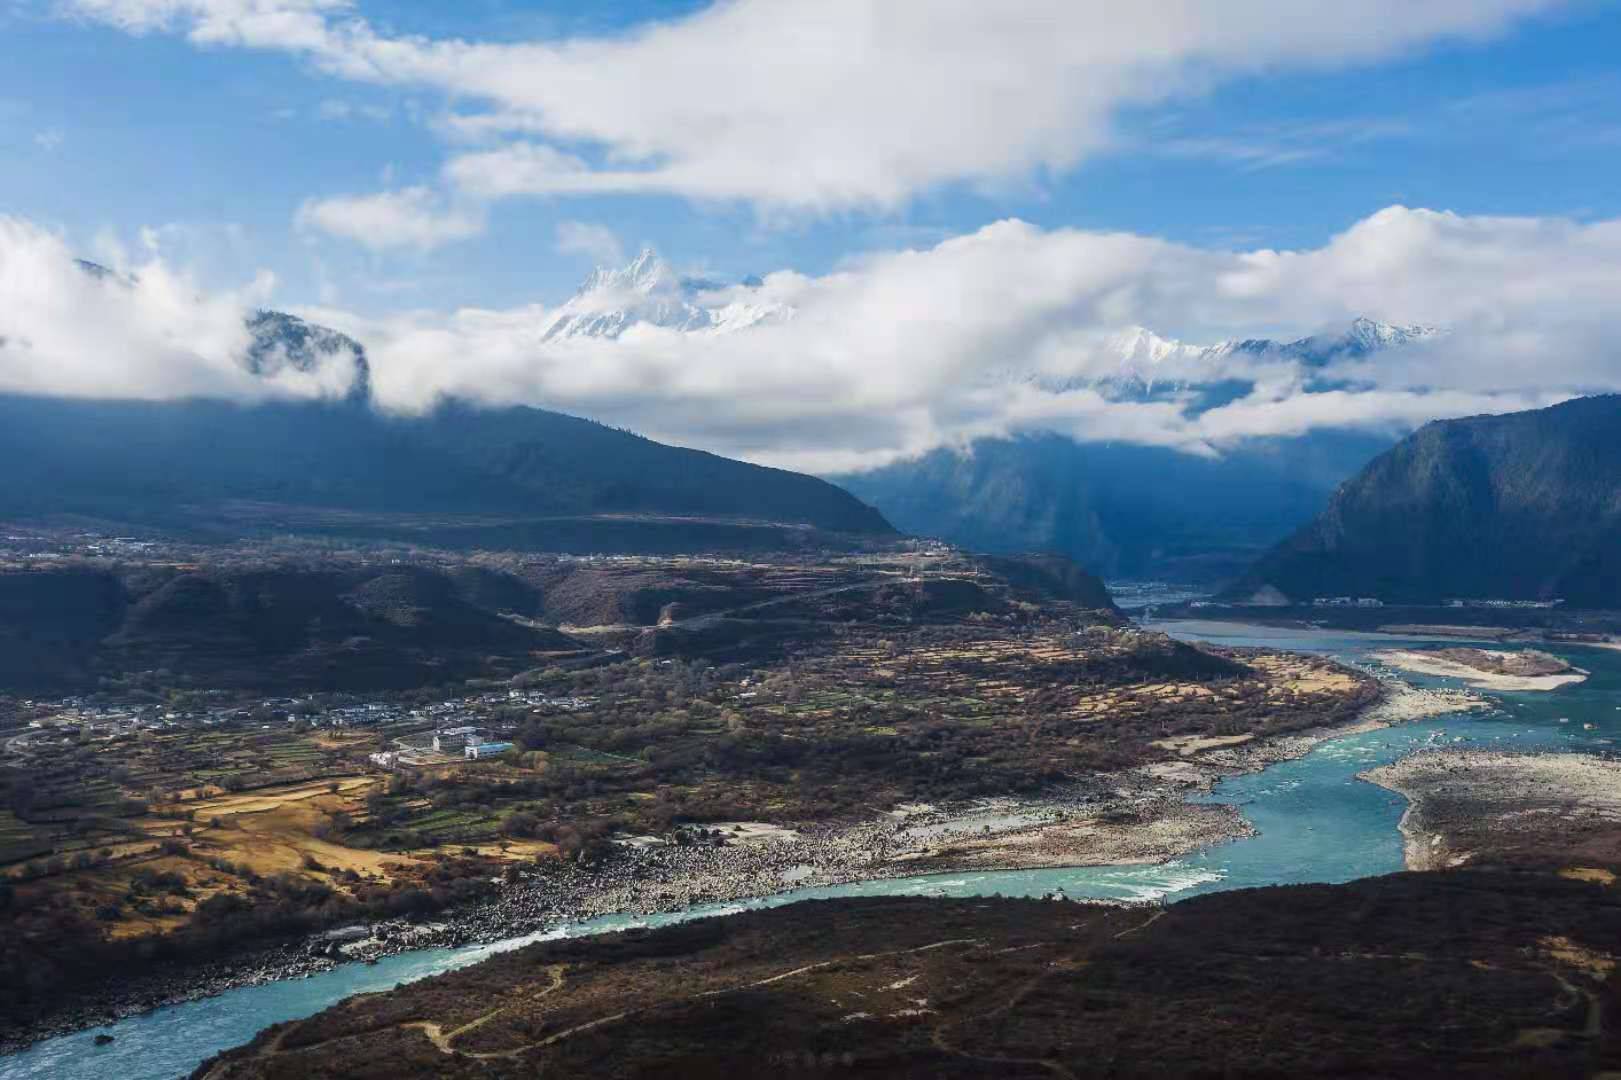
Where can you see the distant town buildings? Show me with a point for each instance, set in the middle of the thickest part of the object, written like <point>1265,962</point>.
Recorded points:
<point>1504,603</point>
<point>481,749</point>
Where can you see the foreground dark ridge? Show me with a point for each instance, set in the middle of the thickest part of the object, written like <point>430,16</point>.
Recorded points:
<point>1479,973</point>
<point>1525,506</point>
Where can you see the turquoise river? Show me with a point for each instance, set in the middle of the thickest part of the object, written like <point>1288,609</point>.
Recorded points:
<point>1315,822</point>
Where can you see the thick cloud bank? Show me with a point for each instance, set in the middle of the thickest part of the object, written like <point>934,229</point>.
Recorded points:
<point>1008,329</point>
<point>144,331</point>
<point>1013,329</point>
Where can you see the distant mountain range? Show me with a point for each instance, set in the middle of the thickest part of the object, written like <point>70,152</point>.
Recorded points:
<point>1525,506</point>
<point>1150,365</point>
<point>1119,509</point>
<point>1126,510</point>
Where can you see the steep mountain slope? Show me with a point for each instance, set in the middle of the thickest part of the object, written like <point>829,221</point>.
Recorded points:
<point>1048,578</point>
<point>1118,509</point>
<point>213,465</point>
<point>1525,506</point>
<point>286,341</point>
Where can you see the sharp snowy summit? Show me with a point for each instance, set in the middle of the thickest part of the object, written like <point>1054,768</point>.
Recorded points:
<point>650,293</point>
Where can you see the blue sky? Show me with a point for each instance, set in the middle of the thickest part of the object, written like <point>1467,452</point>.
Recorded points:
<point>106,132</point>
<point>972,219</point>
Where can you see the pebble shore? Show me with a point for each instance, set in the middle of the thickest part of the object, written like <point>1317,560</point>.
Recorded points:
<point>1472,805</point>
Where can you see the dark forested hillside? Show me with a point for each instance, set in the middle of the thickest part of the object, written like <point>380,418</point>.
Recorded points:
<point>1119,510</point>
<point>262,628</point>
<point>1525,506</point>
<point>210,465</point>
<point>1477,973</point>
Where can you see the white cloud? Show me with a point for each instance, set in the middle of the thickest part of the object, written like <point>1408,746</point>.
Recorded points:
<point>1016,329</point>
<point>49,140</point>
<point>597,242</point>
<point>144,330</point>
<point>1008,329</point>
<point>413,217</point>
<point>827,106</point>
<point>339,110</point>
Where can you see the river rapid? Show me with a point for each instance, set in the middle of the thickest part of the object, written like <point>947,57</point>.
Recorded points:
<point>1315,822</point>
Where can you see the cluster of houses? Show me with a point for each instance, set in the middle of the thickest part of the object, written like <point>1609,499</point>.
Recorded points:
<point>73,716</point>
<point>539,700</point>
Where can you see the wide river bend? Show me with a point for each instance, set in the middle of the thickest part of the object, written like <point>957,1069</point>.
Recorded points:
<point>1315,821</point>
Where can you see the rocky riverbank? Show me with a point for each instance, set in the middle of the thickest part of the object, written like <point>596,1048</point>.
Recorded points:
<point>1138,816</point>
<point>1488,669</point>
<point>1488,806</point>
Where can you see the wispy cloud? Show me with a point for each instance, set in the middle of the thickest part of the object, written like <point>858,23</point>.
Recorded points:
<point>413,217</point>
<point>340,110</point>
<point>1277,145</point>
<point>597,242</point>
<point>1546,118</point>
<point>826,107</point>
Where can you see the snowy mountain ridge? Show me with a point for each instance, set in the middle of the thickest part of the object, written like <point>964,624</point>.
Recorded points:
<point>649,292</point>
<point>1142,360</point>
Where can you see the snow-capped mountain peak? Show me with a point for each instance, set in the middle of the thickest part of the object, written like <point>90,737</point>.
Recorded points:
<point>1365,336</point>
<point>650,292</point>
<point>646,274</point>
